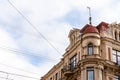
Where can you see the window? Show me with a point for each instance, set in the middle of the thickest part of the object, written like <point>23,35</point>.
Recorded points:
<point>115,35</point>
<point>109,55</point>
<point>90,73</point>
<point>116,78</point>
<point>73,62</point>
<point>116,56</point>
<point>51,78</point>
<point>90,48</point>
<point>56,76</point>
<point>119,36</point>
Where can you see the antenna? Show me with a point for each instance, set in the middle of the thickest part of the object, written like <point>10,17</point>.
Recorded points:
<point>90,18</point>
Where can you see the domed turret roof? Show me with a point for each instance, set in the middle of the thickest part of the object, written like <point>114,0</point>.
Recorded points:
<point>89,29</point>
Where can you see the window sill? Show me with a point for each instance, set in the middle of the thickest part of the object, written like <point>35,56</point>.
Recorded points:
<point>91,56</point>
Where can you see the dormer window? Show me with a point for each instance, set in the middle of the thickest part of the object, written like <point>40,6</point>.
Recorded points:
<point>90,48</point>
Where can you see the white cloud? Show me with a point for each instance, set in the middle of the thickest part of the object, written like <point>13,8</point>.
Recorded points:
<point>10,58</point>
<point>43,14</point>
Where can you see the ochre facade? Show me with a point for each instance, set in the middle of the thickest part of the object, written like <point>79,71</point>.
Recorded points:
<point>93,54</point>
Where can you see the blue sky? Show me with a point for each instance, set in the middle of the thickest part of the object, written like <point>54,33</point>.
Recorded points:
<point>53,19</point>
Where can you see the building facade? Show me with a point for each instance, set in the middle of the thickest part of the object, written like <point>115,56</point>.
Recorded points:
<point>93,54</point>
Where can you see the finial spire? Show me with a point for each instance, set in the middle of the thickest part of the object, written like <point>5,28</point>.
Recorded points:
<point>90,18</point>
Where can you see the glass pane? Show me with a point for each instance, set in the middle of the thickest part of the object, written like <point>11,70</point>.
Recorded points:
<point>113,51</point>
<point>90,75</point>
<point>116,78</point>
<point>90,50</point>
<point>114,58</point>
<point>73,62</point>
<point>118,53</point>
<point>118,60</point>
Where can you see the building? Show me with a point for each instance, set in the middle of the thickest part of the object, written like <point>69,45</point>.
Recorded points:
<point>93,54</point>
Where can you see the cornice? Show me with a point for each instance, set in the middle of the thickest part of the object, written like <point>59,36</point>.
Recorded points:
<point>53,69</point>
<point>111,40</point>
<point>72,48</point>
<point>87,37</point>
<point>98,61</point>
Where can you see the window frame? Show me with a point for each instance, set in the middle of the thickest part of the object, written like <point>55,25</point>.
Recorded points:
<point>116,78</point>
<point>119,36</point>
<point>56,76</point>
<point>115,35</point>
<point>90,49</point>
<point>89,69</point>
<point>73,62</point>
<point>116,55</point>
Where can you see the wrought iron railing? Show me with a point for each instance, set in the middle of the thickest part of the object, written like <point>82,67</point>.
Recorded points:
<point>70,67</point>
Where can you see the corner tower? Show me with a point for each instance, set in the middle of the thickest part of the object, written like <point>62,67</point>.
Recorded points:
<point>90,41</point>
<point>90,53</point>
<point>93,54</point>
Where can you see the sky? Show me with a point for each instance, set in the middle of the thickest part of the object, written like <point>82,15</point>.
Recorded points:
<point>28,52</point>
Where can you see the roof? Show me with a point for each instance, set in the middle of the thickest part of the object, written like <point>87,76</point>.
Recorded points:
<point>102,26</point>
<point>89,29</point>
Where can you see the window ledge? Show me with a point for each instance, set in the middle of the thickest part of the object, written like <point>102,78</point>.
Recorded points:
<point>91,56</point>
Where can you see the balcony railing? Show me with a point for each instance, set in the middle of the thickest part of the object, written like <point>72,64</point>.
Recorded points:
<point>68,70</point>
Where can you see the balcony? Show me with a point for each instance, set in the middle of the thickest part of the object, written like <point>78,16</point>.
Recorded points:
<point>68,70</point>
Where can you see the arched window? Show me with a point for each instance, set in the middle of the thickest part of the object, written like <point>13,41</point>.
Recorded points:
<point>90,48</point>
<point>115,35</point>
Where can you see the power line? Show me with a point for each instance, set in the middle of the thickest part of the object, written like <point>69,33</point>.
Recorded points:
<point>18,51</point>
<point>18,69</point>
<point>22,52</point>
<point>5,78</point>
<point>19,75</point>
<point>34,27</point>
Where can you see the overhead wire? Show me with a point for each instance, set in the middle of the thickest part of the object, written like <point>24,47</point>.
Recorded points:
<point>34,27</point>
<point>21,53</point>
<point>5,78</point>
<point>18,69</point>
<point>19,75</point>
